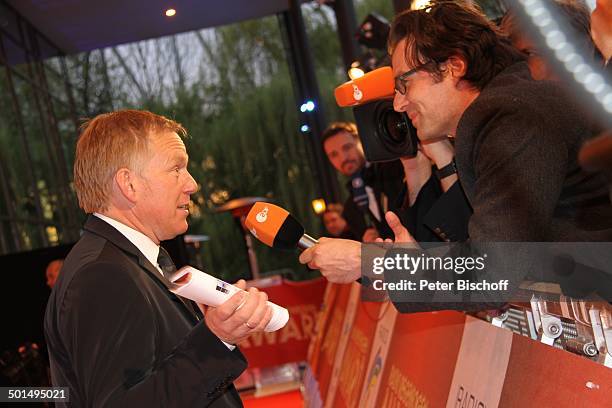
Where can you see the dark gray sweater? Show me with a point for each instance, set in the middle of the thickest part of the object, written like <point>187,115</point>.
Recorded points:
<point>516,154</point>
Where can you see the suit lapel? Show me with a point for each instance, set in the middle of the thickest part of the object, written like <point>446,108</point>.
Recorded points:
<point>183,303</point>
<point>101,228</point>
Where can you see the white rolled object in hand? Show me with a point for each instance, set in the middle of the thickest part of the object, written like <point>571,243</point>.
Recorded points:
<point>202,288</point>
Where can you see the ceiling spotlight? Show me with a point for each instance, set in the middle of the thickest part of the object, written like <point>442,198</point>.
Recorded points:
<point>170,12</point>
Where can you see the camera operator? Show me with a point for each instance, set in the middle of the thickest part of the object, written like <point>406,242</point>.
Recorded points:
<point>372,187</point>
<point>516,139</point>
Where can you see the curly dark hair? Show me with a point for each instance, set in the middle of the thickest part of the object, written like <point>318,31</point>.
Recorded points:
<point>453,28</point>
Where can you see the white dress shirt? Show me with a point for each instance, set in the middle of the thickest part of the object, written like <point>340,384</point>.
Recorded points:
<point>144,244</point>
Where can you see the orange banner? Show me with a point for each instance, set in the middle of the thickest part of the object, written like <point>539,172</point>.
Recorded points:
<point>378,354</point>
<point>322,325</point>
<point>354,363</point>
<point>421,360</point>
<point>331,340</point>
<point>347,329</point>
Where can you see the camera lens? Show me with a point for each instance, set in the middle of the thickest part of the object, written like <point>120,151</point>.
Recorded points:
<point>385,134</point>
<point>393,126</point>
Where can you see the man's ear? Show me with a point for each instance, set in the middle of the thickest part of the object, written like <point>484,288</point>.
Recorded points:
<point>456,66</point>
<point>126,183</point>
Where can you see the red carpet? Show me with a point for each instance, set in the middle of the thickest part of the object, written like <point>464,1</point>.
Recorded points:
<point>292,399</point>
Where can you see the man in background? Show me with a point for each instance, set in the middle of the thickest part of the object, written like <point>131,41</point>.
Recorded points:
<point>373,188</point>
<point>335,224</point>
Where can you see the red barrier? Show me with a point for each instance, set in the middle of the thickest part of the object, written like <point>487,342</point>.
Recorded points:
<point>291,399</point>
<point>440,359</point>
<point>443,359</point>
<point>289,344</point>
<point>331,339</point>
<point>539,375</point>
<point>421,360</point>
<point>354,363</point>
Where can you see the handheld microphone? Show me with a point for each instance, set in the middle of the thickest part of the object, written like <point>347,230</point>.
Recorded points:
<point>275,227</point>
<point>202,288</point>
<point>377,84</point>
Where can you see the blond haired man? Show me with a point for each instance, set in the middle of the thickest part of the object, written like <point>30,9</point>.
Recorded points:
<point>116,335</point>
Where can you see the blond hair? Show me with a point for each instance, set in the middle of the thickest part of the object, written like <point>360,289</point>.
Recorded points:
<point>108,143</point>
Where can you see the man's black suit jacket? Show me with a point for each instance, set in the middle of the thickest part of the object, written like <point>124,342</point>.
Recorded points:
<point>118,337</point>
<point>437,216</point>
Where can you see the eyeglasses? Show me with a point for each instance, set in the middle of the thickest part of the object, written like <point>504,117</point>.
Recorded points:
<point>401,80</point>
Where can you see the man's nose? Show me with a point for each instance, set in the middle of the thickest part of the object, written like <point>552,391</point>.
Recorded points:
<point>191,186</point>
<point>400,102</point>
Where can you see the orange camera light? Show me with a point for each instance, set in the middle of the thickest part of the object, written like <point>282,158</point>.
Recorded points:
<point>377,84</point>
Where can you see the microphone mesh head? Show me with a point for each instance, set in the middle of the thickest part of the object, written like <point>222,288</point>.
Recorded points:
<point>289,234</point>
<point>274,226</point>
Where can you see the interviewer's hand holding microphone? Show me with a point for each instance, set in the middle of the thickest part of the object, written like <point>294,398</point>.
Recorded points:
<point>339,260</point>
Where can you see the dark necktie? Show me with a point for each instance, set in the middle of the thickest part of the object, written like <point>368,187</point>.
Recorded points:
<point>165,263</point>
<point>168,268</point>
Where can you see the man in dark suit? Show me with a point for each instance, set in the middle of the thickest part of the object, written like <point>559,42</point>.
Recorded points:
<point>373,187</point>
<point>116,335</point>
